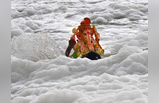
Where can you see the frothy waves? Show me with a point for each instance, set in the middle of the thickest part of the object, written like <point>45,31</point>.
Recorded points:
<point>40,73</point>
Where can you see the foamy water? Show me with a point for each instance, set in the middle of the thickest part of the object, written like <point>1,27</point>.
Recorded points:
<point>41,73</point>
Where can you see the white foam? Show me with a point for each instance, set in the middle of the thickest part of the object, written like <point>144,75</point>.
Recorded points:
<point>32,25</point>
<point>41,73</point>
<point>16,32</point>
<point>30,11</point>
<point>100,20</point>
<point>118,15</point>
<point>59,96</point>
<point>35,47</point>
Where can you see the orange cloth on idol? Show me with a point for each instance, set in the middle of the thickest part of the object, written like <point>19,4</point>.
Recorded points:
<point>86,39</point>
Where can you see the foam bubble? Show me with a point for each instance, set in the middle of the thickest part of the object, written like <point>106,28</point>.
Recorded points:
<point>31,24</point>
<point>100,20</point>
<point>16,32</point>
<point>30,11</point>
